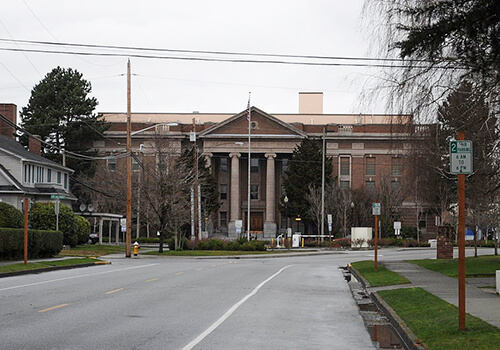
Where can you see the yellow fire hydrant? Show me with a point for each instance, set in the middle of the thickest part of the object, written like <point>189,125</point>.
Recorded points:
<point>136,248</point>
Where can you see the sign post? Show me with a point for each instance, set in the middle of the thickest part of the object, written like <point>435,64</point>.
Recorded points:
<point>376,212</point>
<point>461,164</point>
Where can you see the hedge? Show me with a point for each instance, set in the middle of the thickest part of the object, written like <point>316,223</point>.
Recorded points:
<point>41,244</point>
<point>10,216</point>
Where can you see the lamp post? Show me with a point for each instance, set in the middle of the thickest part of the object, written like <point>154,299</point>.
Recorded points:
<point>285,200</point>
<point>352,214</point>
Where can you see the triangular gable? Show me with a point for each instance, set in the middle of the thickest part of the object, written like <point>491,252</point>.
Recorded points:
<point>6,178</point>
<point>265,124</point>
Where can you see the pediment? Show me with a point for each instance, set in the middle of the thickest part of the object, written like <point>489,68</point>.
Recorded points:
<point>263,124</point>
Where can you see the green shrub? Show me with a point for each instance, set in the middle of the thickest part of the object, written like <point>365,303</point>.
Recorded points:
<point>10,216</point>
<point>41,244</point>
<point>151,240</point>
<point>83,229</point>
<point>409,232</point>
<point>42,217</point>
<point>215,244</point>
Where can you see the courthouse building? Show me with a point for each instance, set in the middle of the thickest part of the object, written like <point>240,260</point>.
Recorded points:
<point>365,149</point>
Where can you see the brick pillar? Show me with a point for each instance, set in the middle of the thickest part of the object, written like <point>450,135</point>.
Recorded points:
<point>270,226</point>
<point>445,242</point>
<point>234,200</point>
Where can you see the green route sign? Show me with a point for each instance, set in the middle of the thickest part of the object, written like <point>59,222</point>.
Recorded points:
<point>461,157</point>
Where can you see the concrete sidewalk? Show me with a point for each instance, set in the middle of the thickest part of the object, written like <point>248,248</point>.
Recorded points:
<point>479,303</point>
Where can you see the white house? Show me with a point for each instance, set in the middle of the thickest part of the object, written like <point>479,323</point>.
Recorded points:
<point>26,174</point>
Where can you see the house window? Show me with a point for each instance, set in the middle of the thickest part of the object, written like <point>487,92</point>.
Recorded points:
<point>112,163</point>
<point>59,177</point>
<point>345,168</point>
<point>254,191</point>
<point>66,181</point>
<point>26,173</point>
<point>223,165</point>
<point>254,165</point>
<point>370,166</point>
<point>370,185</point>
<point>344,185</point>
<point>32,170</point>
<point>49,175</point>
<point>396,166</point>
<point>223,191</point>
<point>422,220</point>
<point>223,219</point>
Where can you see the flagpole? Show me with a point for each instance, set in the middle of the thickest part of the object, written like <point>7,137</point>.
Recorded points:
<point>249,166</point>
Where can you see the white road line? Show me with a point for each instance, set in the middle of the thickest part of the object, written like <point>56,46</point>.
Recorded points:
<point>73,277</point>
<point>230,312</point>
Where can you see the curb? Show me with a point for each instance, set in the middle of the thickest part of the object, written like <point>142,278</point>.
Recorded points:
<point>406,335</point>
<point>52,268</point>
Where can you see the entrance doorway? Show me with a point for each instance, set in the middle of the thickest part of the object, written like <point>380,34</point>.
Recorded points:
<point>256,222</point>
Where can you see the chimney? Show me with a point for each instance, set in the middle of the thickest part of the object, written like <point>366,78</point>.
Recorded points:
<point>9,111</point>
<point>34,146</point>
<point>310,103</point>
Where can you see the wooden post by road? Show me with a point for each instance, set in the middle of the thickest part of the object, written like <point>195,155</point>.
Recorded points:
<point>26,208</point>
<point>375,261</point>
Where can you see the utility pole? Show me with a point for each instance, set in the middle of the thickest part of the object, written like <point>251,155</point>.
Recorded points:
<point>323,188</point>
<point>128,233</point>
<point>461,245</point>
<point>196,218</point>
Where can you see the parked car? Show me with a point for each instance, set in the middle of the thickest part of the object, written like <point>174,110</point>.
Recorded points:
<point>93,238</point>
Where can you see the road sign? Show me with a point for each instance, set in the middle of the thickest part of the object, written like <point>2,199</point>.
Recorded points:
<point>376,208</point>
<point>461,157</point>
<point>330,219</point>
<point>57,196</point>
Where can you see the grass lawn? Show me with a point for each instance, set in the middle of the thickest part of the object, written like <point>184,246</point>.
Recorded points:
<point>45,264</point>
<point>381,277</point>
<point>92,250</point>
<point>435,322</point>
<point>212,252</point>
<point>480,266</point>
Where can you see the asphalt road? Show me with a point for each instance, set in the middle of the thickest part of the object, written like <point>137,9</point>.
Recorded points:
<point>175,303</point>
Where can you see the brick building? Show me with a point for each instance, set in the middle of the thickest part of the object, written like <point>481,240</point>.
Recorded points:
<point>366,150</point>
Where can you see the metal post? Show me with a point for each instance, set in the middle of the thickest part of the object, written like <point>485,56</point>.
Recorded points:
<point>461,246</point>
<point>323,189</point>
<point>249,165</point>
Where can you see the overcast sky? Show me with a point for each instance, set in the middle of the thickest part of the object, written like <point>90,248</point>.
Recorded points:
<point>290,27</point>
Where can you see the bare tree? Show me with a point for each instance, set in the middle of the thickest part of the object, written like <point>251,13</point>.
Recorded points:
<point>165,190</point>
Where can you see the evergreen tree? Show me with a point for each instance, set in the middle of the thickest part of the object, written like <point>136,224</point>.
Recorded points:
<point>304,172</point>
<point>61,112</point>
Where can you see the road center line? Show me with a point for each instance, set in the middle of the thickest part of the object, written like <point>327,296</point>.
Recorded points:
<point>53,308</point>
<point>114,291</point>
<point>179,273</point>
<point>73,277</point>
<point>152,280</point>
<point>230,312</point>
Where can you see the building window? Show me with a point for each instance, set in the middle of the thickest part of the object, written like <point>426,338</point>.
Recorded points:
<point>59,177</point>
<point>254,191</point>
<point>32,170</point>
<point>223,191</point>
<point>345,168</point>
<point>370,185</point>
<point>370,166</point>
<point>223,165</point>
<point>26,173</point>
<point>284,165</point>
<point>422,220</point>
<point>395,186</point>
<point>66,181</point>
<point>396,166</point>
<point>254,165</point>
<point>344,185</point>
<point>112,163</point>
<point>223,219</point>
<point>135,164</point>
<point>49,175</point>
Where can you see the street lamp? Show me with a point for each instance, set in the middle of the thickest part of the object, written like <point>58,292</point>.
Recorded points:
<point>352,214</point>
<point>285,200</point>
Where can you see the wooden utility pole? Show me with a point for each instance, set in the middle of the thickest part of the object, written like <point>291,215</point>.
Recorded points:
<point>197,233</point>
<point>26,208</point>
<point>461,245</point>
<point>128,233</point>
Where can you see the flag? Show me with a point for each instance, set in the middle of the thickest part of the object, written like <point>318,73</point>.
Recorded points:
<point>248,107</point>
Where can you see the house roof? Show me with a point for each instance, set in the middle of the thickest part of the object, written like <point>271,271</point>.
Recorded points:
<point>11,146</point>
